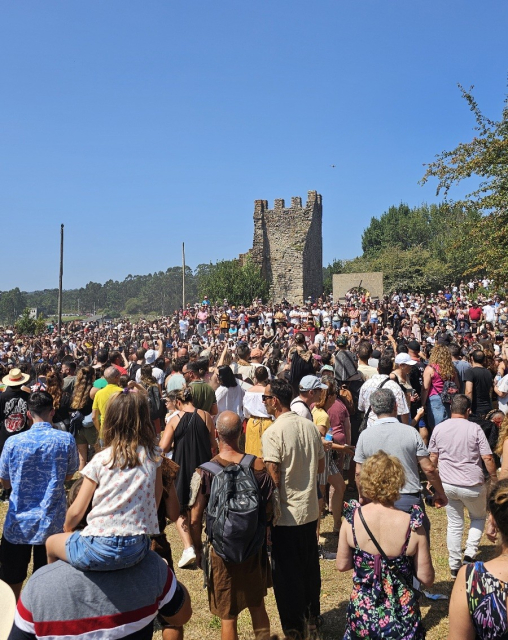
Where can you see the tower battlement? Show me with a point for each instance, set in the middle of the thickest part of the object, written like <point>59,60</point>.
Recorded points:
<point>288,246</point>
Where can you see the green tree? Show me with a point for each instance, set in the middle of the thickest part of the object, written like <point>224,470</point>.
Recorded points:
<point>484,157</point>
<point>337,266</point>
<point>411,270</point>
<point>239,283</point>
<point>12,304</point>
<point>27,325</point>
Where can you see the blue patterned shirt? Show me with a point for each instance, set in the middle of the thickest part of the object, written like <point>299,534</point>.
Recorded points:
<point>36,463</point>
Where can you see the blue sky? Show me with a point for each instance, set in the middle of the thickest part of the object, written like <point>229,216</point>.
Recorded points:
<point>140,125</point>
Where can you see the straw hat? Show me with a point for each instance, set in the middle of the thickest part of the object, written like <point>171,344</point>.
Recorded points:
<point>8,608</point>
<point>15,378</point>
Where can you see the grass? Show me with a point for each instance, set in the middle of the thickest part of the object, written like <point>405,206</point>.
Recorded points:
<point>335,588</point>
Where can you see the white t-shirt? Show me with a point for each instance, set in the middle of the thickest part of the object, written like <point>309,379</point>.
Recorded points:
<point>124,501</point>
<point>157,373</point>
<point>503,402</point>
<point>489,313</point>
<point>230,399</point>
<point>300,407</point>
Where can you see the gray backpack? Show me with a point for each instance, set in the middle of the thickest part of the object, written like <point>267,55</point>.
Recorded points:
<point>235,515</point>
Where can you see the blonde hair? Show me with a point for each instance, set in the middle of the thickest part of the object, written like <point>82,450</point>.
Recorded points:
<point>381,478</point>
<point>441,357</point>
<point>503,434</point>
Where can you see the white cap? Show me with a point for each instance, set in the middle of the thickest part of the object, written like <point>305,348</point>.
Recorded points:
<point>150,356</point>
<point>404,358</point>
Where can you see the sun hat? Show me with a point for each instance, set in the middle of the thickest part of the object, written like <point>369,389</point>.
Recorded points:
<point>15,378</point>
<point>8,609</point>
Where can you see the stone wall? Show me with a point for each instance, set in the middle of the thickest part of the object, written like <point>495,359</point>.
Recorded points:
<point>343,282</point>
<point>288,246</point>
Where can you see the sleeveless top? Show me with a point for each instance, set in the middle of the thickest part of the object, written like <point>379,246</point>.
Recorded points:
<point>436,383</point>
<point>381,606</point>
<point>191,448</point>
<point>486,599</point>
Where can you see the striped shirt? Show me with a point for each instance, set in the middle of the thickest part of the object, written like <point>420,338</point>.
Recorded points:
<point>60,602</point>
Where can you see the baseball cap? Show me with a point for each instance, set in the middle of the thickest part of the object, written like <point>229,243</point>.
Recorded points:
<point>341,341</point>
<point>308,383</point>
<point>326,367</point>
<point>150,356</point>
<point>414,345</point>
<point>404,358</point>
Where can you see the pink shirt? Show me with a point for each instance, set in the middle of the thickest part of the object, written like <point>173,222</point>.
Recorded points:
<point>460,445</point>
<point>436,383</point>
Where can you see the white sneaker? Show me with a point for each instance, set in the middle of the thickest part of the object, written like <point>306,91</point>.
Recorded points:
<point>188,557</point>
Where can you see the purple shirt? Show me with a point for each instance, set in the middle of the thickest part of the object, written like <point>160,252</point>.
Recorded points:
<point>460,445</point>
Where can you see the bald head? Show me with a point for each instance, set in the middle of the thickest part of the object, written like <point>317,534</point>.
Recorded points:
<point>229,427</point>
<point>111,374</point>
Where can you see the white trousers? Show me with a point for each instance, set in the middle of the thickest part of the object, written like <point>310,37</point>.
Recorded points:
<point>474,499</point>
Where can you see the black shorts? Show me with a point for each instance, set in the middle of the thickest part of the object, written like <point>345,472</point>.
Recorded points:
<point>15,558</point>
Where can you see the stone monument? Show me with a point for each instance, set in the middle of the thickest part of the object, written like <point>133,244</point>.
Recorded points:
<point>288,247</point>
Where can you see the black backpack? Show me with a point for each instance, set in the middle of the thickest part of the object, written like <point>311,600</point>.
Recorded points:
<point>155,404</point>
<point>235,515</point>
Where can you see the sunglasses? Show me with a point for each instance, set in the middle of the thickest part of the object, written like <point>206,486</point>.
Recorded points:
<point>264,398</point>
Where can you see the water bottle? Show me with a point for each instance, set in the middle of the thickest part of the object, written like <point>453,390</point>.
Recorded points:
<point>329,435</point>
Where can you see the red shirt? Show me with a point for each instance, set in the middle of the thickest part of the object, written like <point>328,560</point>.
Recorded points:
<point>338,415</point>
<point>475,314</point>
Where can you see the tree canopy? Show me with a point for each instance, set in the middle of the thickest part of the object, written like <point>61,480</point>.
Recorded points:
<point>484,157</point>
<point>159,293</point>
<point>239,283</point>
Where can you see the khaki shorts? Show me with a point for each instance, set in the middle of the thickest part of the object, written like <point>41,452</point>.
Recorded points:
<point>87,435</point>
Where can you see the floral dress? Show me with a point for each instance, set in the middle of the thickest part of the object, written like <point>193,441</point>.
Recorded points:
<point>381,605</point>
<point>486,598</point>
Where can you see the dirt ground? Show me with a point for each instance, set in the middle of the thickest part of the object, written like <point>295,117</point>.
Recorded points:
<point>335,588</point>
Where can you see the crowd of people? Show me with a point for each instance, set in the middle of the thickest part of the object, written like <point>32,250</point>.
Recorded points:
<point>254,422</point>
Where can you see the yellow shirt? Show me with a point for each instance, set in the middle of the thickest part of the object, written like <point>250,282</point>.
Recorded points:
<point>101,399</point>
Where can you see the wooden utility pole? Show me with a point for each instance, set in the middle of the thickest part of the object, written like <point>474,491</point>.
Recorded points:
<point>183,275</point>
<point>60,281</point>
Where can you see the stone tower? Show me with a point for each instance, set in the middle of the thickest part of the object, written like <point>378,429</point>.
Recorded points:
<point>288,246</point>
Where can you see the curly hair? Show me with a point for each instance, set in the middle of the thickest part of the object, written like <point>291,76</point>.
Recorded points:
<point>54,386</point>
<point>84,382</point>
<point>503,434</point>
<point>441,357</point>
<point>381,478</point>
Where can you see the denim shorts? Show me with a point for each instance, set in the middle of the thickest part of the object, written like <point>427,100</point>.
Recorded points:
<point>97,553</point>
